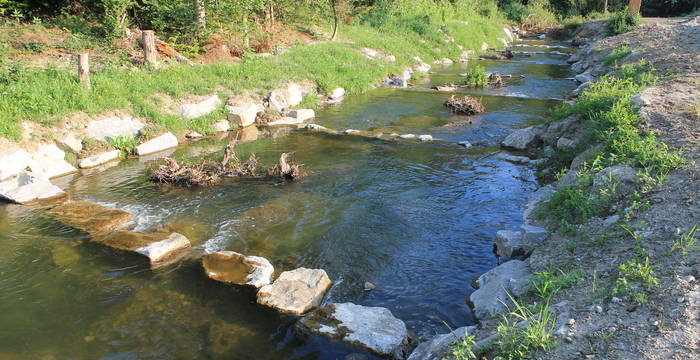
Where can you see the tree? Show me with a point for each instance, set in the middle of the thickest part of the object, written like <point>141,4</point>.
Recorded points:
<point>201,14</point>
<point>341,9</point>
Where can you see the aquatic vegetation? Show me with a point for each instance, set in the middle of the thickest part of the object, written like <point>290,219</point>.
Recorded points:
<point>477,77</point>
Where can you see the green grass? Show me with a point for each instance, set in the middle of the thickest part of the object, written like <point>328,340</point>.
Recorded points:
<point>47,95</point>
<point>476,77</point>
<point>622,22</point>
<point>125,144</point>
<point>522,331</point>
<point>635,278</point>
<point>617,54</point>
<point>686,241</point>
<point>547,283</point>
<point>462,350</point>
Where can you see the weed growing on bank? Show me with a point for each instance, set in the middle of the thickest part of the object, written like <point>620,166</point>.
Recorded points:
<point>623,21</point>
<point>522,331</point>
<point>686,241</point>
<point>547,283</point>
<point>617,54</point>
<point>125,144</point>
<point>635,279</point>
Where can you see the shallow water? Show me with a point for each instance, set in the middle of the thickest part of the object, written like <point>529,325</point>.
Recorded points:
<point>415,219</point>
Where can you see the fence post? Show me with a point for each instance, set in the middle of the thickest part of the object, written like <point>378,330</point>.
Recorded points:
<point>149,47</point>
<point>84,70</point>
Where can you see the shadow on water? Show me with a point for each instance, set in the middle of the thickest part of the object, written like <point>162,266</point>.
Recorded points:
<point>415,219</point>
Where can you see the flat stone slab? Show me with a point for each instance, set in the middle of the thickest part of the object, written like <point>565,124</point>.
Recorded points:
<point>285,97</point>
<point>90,217</point>
<point>159,248</point>
<point>206,107</point>
<point>285,121</point>
<point>12,162</point>
<point>302,114</point>
<point>27,187</point>
<point>110,128</point>
<point>234,268</point>
<point>244,114</point>
<point>296,291</point>
<point>373,328</point>
<point>50,162</point>
<point>160,143</point>
<point>98,159</point>
<point>520,139</point>
<point>495,285</point>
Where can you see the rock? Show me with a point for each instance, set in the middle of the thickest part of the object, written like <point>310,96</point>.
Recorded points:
<point>579,66</point>
<point>302,114</point>
<point>542,36</point>
<point>578,161</point>
<point>112,127</point>
<point>495,285</point>
<point>337,93</point>
<point>234,268</point>
<point>352,132</point>
<point>391,58</point>
<point>689,278</point>
<point>206,107</point>
<point>369,286</point>
<point>509,244</point>
<point>407,136</point>
<point>286,97</point>
<point>438,347</point>
<point>571,322</point>
<point>13,161</point>
<point>373,328</point>
<point>369,53</point>
<point>563,143</point>
<point>425,138</point>
<point>611,220</point>
<point>520,139</point>
<point>616,300</point>
<point>641,100</point>
<point>160,143</point>
<point>27,187</point>
<point>244,114</point>
<point>221,126</point>
<point>465,143</point>
<point>159,248</point>
<point>536,199</point>
<point>99,159</point>
<point>580,89</point>
<point>90,217</point>
<point>533,236</point>
<point>444,61</point>
<point>517,159</point>
<point>49,161</point>
<point>395,82</point>
<point>585,77</point>
<point>70,142</point>
<point>194,135</point>
<point>296,291</point>
<point>285,121</point>
<point>422,67</point>
<point>316,127</point>
<point>624,175</point>
<point>557,129</point>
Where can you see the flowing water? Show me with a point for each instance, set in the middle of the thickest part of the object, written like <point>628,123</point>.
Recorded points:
<point>415,219</point>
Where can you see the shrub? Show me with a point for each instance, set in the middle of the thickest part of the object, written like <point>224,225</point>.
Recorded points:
<point>477,77</point>
<point>522,331</point>
<point>623,21</point>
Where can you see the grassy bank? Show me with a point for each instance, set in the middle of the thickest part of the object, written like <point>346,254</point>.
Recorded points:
<point>46,95</point>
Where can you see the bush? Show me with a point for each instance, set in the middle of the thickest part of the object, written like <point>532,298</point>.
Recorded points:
<point>623,21</point>
<point>477,77</point>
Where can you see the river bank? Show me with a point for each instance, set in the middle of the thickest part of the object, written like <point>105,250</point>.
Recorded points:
<point>615,276</point>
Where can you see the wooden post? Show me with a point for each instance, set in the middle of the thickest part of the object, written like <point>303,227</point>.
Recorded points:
<point>149,47</point>
<point>635,6</point>
<point>84,70</point>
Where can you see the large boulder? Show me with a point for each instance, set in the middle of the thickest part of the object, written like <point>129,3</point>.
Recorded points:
<point>13,161</point>
<point>206,107</point>
<point>90,217</point>
<point>234,268</point>
<point>159,143</point>
<point>438,347</point>
<point>27,187</point>
<point>373,328</point>
<point>112,127</point>
<point>557,129</point>
<point>98,159</point>
<point>296,291</point>
<point>535,200</point>
<point>285,97</point>
<point>509,244</point>
<point>521,139</point>
<point>243,115</point>
<point>337,93</point>
<point>624,176</point>
<point>50,162</point>
<point>159,248</point>
<point>495,286</point>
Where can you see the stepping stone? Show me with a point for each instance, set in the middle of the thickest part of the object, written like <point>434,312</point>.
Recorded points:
<point>90,217</point>
<point>160,143</point>
<point>296,291</point>
<point>110,128</point>
<point>27,187</point>
<point>238,269</point>
<point>98,159</point>
<point>373,328</point>
<point>12,162</point>
<point>159,248</point>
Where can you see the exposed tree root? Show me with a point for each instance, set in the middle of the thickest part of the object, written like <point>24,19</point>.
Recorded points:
<point>466,105</point>
<point>210,173</point>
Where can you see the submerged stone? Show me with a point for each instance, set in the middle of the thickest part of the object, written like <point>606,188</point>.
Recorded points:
<point>296,291</point>
<point>90,217</point>
<point>234,268</point>
<point>373,328</point>
<point>157,247</point>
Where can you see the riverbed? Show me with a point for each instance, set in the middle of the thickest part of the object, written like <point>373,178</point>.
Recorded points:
<point>416,219</point>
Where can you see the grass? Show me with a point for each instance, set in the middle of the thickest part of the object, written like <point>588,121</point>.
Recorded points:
<point>125,144</point>
<point>617,54</point>
<point>522,331</point>
<point>623,21</point>
<point>463,350</point>
<point>547,283</point>
<point>46,95</point>
<point>476,77</point>
<point>686,241</point>
<point>635,277</point>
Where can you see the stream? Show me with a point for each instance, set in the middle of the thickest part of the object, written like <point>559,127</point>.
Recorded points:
<point>415,219</point>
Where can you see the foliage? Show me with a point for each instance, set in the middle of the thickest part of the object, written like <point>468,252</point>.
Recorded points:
<point>521,331</point>
<point>125,144</point>
<point>617,54</point>
<point>632,276</point>
<point>686,241</point>
<point>623,21</point>
<point>463,350</point>
<point>547,283</point>
<point>477,76</point>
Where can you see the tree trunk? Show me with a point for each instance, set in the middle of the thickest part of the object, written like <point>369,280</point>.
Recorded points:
<point>272,16</point>
<point>605,7</point>
<point>150,53</point>
<point>246,40</point>
<point>201,14</point>
<point>84,70</point>
<point>336,21</point>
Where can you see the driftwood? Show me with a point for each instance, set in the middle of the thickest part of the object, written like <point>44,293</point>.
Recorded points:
<point>210,173</point>
<point>466,105</point>
<point>495,80</point>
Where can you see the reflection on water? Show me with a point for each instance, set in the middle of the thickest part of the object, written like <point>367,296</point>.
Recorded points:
<point>415,219</point>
